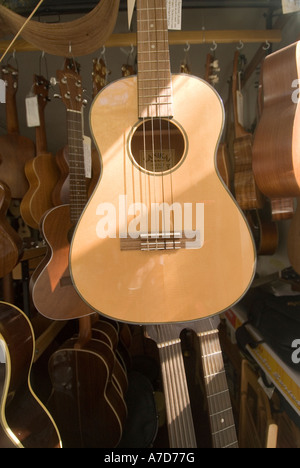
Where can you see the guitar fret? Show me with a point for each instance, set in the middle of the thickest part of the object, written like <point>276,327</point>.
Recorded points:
<point>222,430</point>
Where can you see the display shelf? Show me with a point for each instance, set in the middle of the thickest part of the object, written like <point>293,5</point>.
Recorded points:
<point>284,378</point>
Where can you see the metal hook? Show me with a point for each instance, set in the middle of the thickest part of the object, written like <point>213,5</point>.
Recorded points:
<point>240,47</point>
<point>187,47</point>
<point>267,46</point>
<point>214,46</point>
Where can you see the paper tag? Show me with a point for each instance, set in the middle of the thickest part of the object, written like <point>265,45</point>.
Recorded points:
<point>130,8</point>
<point>87,153</point>
<point>174,10</point>
<point>2,92</point>
<point>240,107</point>
<point>289,6</point>
<point>32,111</point>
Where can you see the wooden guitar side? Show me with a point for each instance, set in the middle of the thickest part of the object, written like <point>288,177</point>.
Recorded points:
<point>52,290</point>
<point>162,286</point>
<point>276,149</point>
<point>24,419</point>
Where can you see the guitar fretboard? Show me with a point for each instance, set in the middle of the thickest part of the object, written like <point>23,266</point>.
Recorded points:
<point>154,74</point>
<point>219,404</point>
<point>78,191</point>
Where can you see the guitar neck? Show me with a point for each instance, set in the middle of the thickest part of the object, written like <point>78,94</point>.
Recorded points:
<point>78,190</point>
<point>219,405</point>
<point>154,72</point>
<point>178,408</point>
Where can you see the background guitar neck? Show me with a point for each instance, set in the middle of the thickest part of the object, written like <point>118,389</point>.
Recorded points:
<point>219,405</point>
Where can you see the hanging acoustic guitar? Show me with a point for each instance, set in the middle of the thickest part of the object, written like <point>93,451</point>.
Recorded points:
<point>41,171</point>
<point>53,293</point>
<point>161,239</point>
<point>15,149</point>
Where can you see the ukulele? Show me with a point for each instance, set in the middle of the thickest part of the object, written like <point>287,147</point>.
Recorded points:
<point>130,246</point>
<point>89,409</point>
<point>276,150</point>
<point>52,290</point>
<point>178,407</point>
<point>25,422</point>
<point>41,171</point>
<point>246,191</point>
<point>16,149</point>
<point>11,244</point>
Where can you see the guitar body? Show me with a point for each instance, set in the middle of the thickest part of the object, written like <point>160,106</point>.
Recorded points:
<point>25,422</point>
<point>42,174</point>
<point>52,291</point>
<point>10,242</point>
<point>276,149</point>
<point>161,286</point>
<point>61,191</point>
<point>89,409</point>
<point>16,150</point>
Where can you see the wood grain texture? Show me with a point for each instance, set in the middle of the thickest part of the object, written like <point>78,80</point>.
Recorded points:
<point>276,148</point>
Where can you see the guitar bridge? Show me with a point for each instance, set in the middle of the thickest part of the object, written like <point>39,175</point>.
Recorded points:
<point>170,241</point>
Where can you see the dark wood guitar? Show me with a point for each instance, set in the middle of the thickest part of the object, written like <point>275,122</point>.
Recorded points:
<point>276,150</point>
<point>53,293</point>
<point>89,409</point>
<point>15,149</point>
<point>246,191</point>
<point>25,422</point>
<point>154,157</point>
<point>41,171</point>
<point>11,244</point>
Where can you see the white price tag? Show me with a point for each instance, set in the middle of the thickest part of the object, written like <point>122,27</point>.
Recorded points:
<point>174,9</point>
<point>290,6</point>
<point>2,92</point>
<point>87,152</point>
<point>32,111</point>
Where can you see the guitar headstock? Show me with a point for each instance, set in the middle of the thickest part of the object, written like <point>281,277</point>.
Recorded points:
<point>41,89</point>
<point>71,89</point>
<point>10,75</point>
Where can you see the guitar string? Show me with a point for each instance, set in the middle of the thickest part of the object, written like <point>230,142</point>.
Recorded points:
<point>182,427</point>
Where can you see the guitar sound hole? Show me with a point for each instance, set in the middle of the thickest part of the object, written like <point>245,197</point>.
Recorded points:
<point>157,145</point>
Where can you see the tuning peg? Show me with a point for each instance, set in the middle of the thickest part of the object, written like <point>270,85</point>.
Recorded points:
<point>53,81</point>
